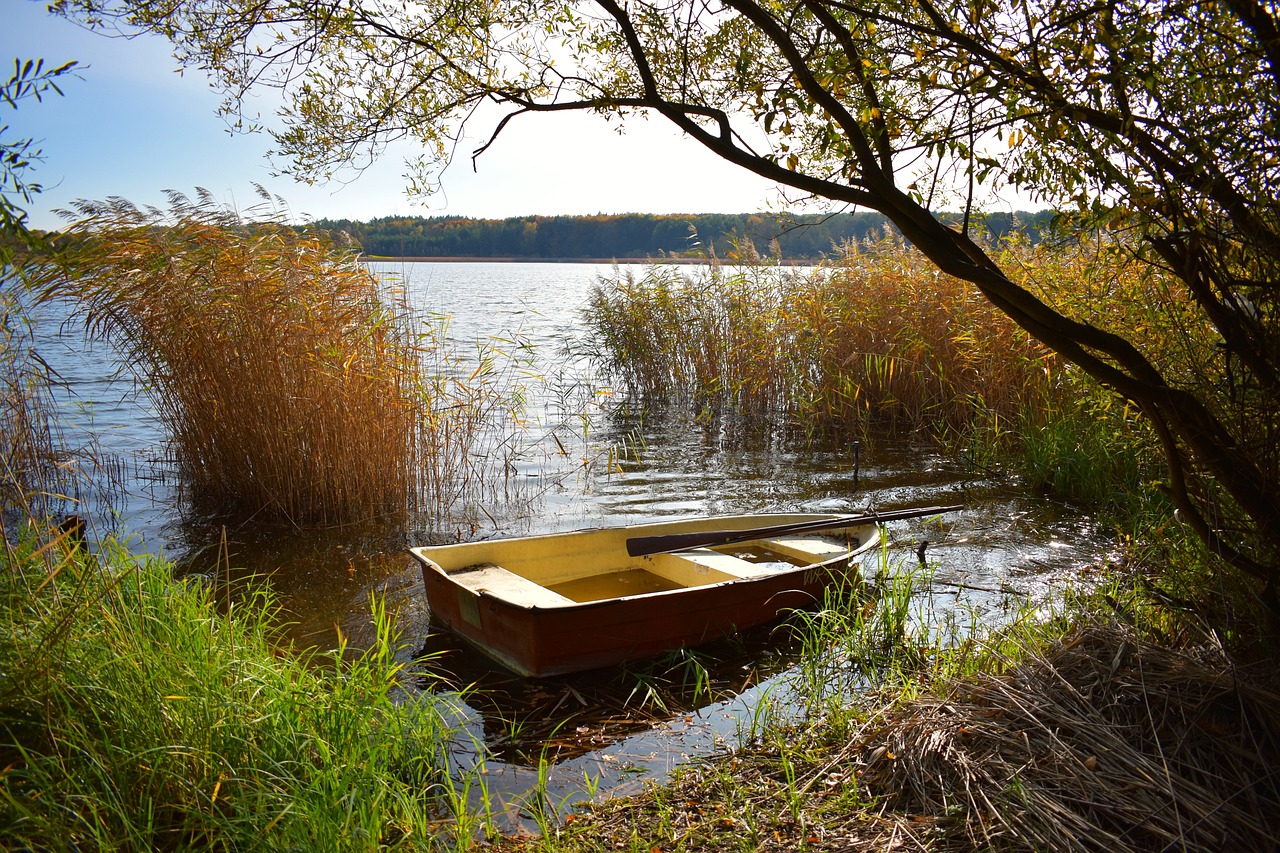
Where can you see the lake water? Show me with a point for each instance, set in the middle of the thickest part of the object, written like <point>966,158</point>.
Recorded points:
<point>584,462</point>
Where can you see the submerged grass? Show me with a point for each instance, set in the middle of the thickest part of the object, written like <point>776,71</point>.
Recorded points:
<point>135,714</point>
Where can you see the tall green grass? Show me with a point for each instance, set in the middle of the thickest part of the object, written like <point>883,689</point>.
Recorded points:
<point>294,384</point>
<point>136,714</point>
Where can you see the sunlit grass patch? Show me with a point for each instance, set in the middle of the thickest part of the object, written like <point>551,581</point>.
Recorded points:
<point>135,713</point>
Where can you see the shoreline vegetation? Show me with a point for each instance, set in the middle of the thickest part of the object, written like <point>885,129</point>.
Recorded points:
<point>1099,740</point>
<point>138,711</point>
<point>640,238</point>
<point>351,414</point>
<point>575,260</point>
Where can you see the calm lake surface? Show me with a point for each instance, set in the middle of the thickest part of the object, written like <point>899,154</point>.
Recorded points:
<point>582,461</point>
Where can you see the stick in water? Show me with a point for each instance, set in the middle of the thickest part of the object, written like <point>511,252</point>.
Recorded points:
<point>640,546</point>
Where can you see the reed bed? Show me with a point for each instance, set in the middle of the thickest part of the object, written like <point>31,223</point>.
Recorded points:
<point>38,476</point>
<point>881,342</point>
<point>27,446</point>
<point>292,382</point>
<point>878,340</point>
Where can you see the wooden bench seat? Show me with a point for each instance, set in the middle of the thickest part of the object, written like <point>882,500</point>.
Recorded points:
<point>508,586</point>
<point>724,563</point>
<point>809,548</point>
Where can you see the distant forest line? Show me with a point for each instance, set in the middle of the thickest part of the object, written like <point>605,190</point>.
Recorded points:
<point>635,235</point>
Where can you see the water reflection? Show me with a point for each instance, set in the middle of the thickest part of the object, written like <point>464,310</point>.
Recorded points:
<point>587,464</point>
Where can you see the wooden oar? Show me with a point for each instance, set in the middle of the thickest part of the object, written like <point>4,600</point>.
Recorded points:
<point>640,546</point>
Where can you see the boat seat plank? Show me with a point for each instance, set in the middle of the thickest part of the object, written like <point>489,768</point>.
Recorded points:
<point>813,548</point>
<point>726,563</point>
<point>508,586</point>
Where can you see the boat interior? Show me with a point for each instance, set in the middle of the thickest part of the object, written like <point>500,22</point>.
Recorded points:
<point>532,578</point>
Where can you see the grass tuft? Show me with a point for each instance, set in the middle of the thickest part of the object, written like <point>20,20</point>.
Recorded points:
<point>136,715</point>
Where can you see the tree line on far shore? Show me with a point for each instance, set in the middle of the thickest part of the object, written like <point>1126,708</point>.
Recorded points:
<point>636,235</point>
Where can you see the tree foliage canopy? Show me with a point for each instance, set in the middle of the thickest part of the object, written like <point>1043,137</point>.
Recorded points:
<point>1160,120</point>
<point>31,79</point>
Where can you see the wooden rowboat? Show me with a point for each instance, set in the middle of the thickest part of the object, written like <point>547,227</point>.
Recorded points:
<point>554,604</point>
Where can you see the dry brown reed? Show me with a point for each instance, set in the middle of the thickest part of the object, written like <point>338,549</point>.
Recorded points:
<point>880,338</point>
<point>911,347</point>
<point>291,382</point>
<point>1105,743</point>
<point>34,479</point>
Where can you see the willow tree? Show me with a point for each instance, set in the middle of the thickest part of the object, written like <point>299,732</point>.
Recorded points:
<point>1160,119</point>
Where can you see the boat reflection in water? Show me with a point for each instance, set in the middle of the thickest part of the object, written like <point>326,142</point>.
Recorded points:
<point>616,723</point>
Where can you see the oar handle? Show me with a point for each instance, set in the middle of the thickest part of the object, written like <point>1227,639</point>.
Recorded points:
<point>641,546</point>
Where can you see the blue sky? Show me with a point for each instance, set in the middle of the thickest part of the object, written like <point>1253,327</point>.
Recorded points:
<point>132,126</point>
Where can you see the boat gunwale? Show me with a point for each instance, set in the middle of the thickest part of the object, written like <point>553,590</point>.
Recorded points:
<point>571,606</point>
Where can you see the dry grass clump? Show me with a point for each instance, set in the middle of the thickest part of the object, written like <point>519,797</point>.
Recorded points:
<point>291,384</point>
<point>1104,742</point>
<point>880,338</point>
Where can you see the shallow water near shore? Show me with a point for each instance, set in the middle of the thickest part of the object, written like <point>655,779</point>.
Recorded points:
<point>585,462</point>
